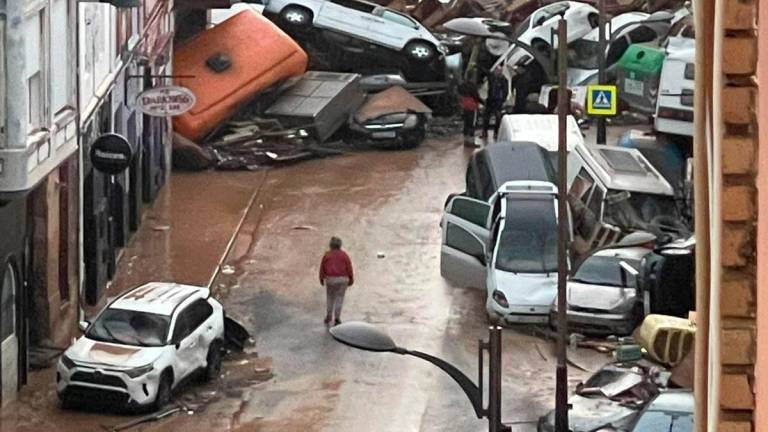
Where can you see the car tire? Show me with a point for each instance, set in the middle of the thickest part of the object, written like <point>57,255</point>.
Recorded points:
<point>296,16</point>
<point>163,395</point>
<point>213,362</point>
<point>421,51</point>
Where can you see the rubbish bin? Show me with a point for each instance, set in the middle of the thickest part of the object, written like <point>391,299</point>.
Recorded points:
<point>637,77</point>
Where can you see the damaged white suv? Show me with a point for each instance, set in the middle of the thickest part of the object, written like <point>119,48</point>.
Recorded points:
<point>142,346</point>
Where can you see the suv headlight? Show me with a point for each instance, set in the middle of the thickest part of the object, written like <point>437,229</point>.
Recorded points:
<point>67,362</point>
<point>411,121</point>
<point>139,371</point>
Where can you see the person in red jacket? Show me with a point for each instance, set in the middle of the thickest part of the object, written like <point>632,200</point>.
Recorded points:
<point>336,275</point>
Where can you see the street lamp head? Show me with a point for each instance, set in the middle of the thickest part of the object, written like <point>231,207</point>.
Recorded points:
<point>363,336</point>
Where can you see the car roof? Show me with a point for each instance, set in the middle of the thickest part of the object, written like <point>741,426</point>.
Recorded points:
<point>160,298</point>
<point>673,401</point>
<point>511,161</point>
<point>540,129</point>
<point>621,168</point>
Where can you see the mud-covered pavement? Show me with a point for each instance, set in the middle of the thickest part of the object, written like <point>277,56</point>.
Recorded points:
<point>386,206</point>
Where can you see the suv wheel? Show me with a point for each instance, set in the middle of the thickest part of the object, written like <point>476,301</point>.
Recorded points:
<point>163,395</point>
<point>213,362</point>
<point>420,50</point>
<point>296,16</point>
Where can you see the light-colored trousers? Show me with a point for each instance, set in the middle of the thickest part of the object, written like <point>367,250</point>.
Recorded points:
<point>335,288</point>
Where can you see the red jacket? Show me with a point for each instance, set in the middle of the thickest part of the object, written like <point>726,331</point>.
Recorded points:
<point>336,263</point>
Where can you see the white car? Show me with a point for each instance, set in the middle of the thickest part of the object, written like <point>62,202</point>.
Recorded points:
<point>674,106</point>
<point>362,20</point>
<point>507,247</point>
<point>142,345</point>
<point>537,30</point>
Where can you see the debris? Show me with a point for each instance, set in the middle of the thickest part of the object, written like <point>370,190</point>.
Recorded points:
<point>380,255</point>
<point>248,367</point>
<point>575,338</point>
<point>303,228</point>
<point>235,335</point>
<point>628,353</point>
<point>188,155</point>
<point>320,102</point>
<point>161,227</point>
<point>227,269</point>
<point>145,419</point>
<point>666,339</point>
<point>682,374</point>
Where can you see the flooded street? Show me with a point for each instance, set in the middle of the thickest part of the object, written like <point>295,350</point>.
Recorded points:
<point>386,206</point>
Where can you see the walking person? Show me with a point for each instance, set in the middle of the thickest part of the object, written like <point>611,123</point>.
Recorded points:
<point>470,101</point>
<point>336,275</point>
<point>498,91</point>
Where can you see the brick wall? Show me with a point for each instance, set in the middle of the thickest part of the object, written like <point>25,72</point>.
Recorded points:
<point>739,216</point>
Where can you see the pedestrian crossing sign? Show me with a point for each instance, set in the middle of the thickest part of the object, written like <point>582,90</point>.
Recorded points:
<point>601,100</point>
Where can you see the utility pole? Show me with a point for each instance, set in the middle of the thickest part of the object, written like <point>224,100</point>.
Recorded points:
<point>563,110</point>
<point>494,380</point>
<point>601,65</point>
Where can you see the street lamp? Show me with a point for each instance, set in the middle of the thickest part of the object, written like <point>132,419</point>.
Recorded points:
<point>367,337</point>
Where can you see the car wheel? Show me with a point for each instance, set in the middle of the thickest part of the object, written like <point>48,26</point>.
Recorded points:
<point>420,51</point>
<point>296,16</point>
<point>213,362</point>
<point>163,395</point>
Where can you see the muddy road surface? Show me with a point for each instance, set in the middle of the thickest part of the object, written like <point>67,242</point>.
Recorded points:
<point>386,207</point>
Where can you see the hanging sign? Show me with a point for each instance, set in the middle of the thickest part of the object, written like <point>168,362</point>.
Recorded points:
<point>167,101</point>
<point>111,154</point>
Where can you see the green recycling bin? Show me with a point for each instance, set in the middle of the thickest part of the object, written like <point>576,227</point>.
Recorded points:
<point>637,77</point>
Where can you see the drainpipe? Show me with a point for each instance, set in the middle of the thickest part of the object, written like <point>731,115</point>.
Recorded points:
<point>703,14</point>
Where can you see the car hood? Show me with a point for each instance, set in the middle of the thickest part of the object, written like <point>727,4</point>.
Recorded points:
<point>597,297</point>
<point>527,289</point>
<point>93,352</point>
<point>587,415</point>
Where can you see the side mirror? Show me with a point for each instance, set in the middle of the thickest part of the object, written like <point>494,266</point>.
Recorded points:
<point>83,325</point>
<point>628,271</point>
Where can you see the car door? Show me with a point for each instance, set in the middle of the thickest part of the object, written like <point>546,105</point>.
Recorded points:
<point>394,29</point>
<point>346,16</point>
<point>185,345</point>
<point>464,236</point>
<point>192,334</point>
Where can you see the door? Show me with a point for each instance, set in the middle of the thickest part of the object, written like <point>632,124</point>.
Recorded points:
<point>394,29</point>
<point>9,347</point>
<point>347,16</point>
<point>463,251</point>
<point>191,335</point>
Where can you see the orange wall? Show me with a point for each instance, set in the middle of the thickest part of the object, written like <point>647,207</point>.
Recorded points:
<point>761,368</point>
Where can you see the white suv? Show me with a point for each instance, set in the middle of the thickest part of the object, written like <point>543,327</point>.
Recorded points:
<point>142,345</point>
<point>367,21</point>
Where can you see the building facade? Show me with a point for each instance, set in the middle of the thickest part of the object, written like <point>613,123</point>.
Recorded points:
<point>38,182</point>
<point>123,51</point>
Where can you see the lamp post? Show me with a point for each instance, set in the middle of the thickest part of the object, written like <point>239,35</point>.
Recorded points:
<point>367,337</point>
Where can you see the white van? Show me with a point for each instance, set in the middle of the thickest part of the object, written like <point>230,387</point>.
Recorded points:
<point>674,106</point>
<point>541,129</point>
<point>507,247</point>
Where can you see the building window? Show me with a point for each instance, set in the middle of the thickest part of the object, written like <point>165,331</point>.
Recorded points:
<point>8,303</point>
<point>35,86</point>
<point>61,53</point>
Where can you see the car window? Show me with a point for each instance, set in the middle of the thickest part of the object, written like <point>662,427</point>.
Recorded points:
<point>398,18</point>
<point>470,210</point>
<point>181,329</point>
<point>199,311</point>
<point>356,5</point>
<point>130,328</point>
<point>460,239</point>
<point>606,271</point>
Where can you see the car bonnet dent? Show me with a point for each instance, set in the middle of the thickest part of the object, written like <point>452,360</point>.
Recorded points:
<point>597,297</point>
<point>527,290</point>
<point>393,100</point>
<point>120,356</point>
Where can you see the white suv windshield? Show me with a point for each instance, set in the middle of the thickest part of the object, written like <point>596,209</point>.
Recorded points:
<point>130,328</point>
<point>528,242</point>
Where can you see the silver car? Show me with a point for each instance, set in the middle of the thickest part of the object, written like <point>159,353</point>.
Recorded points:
<point>362,20</point>
<point>602,295</point>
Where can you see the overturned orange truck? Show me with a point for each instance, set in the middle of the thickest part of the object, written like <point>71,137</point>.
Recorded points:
<point>228,65</point>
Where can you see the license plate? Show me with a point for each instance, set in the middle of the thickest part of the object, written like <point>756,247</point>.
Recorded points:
<point>634,87</point>
<point>384,134</point>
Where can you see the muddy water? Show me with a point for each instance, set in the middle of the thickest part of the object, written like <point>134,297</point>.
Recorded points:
<point>386,206</point>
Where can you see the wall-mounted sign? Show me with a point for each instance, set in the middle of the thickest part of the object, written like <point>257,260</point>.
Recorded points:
<point>111,154</point>
<point>167,101</point>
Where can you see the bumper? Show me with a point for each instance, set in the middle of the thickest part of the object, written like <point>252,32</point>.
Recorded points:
<point>89,385</point>
<point>592,323</point>
<point>515,314</point>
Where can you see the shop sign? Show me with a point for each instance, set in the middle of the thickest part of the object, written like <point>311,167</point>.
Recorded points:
<point>111,154</point>
<point>167,101</point>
